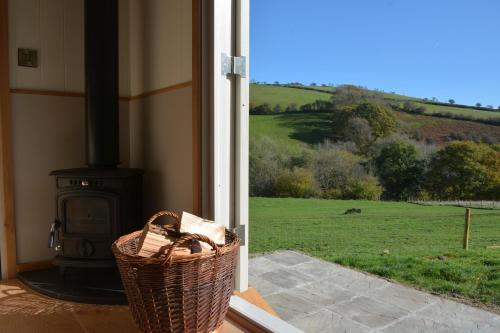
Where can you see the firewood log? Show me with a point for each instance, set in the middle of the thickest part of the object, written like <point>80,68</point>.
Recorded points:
<point>196,225</point>
<point>153,241</point>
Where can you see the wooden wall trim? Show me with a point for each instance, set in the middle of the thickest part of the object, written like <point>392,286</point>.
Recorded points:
<point>41,92</point>
<point>8,243</point>
<point>196,100</point>
<point>159,91</point>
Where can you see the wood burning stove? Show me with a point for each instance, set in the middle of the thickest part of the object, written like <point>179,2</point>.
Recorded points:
<point>93,208</point>
<point>97,204</point>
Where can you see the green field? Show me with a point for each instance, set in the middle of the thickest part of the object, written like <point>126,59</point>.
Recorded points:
<point>477,114</point>
<point>416,245</point>
<point>284,96</point>
<point>291,130</point>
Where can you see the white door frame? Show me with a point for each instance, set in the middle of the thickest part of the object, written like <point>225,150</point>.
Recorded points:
<point>229,106</point>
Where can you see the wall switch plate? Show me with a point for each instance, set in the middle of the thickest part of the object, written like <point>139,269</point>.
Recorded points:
<point>27,57</point>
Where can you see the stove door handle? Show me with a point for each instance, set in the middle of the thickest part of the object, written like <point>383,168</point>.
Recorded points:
<point>52,235</point>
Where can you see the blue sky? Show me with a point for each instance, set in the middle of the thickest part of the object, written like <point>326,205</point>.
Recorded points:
<point>424,48</point>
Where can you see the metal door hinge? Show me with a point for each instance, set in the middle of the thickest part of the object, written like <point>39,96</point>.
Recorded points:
<point>233,65</point>
<point>240,232</point>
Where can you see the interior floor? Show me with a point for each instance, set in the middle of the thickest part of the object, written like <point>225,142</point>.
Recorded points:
<point>25,311</point>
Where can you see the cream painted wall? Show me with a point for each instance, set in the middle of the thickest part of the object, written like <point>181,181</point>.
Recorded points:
<point>160,44</point>
<point>55,29</point>
<point>154,38</point>
<point>48,131</point>
<point>161,144</point>
<point>47,134</point>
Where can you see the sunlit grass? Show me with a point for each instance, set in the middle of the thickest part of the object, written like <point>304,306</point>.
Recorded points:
<point>416,245</point>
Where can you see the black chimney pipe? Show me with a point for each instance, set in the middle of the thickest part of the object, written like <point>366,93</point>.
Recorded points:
<point>101,83</point>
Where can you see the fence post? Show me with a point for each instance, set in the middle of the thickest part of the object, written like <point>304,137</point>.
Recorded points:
<point>467,228</point>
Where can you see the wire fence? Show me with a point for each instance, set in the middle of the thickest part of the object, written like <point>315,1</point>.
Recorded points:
<point>484,204</point>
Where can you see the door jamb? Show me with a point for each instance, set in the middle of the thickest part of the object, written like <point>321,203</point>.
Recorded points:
<point>7,224</point>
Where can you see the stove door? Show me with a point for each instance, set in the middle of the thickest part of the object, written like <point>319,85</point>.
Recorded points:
<point>88,223</point>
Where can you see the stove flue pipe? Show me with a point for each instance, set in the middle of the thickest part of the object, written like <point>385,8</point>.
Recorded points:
<point>101,83</point>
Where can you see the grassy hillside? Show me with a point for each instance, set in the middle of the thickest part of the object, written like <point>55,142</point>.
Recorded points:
<point>478,114</point>
<point>284,96</point>
<point>295,130</point>
<point>292,130</point>
<point>260,93</point>
<point>416,245</point>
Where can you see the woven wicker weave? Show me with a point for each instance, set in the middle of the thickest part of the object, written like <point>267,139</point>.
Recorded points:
<point>185,293</point>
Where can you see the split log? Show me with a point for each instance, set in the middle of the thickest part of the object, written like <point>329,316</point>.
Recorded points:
<point>153,241</point>
<point>193,224</point>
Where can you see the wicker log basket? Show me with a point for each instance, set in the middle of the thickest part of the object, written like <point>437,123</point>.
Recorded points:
<point>178,293</point>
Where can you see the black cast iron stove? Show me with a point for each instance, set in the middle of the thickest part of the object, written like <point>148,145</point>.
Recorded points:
<point>97,204</point>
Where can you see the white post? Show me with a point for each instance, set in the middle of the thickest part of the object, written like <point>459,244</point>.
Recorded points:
<point>242,139</point>
<point>222,113</point>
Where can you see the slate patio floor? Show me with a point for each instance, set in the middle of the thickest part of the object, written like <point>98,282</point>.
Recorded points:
<point>317,296</point>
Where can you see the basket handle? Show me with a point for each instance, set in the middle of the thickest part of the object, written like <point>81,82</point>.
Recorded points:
<point>153,218</point>
<point>187,238</point>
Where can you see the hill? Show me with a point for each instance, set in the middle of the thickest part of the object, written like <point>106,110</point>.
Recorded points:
<point>300,95</point>
<point>284,96</point>
<point>298,129</point>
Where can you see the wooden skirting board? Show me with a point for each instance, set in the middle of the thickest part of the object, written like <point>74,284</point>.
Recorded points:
<point>35,265</point>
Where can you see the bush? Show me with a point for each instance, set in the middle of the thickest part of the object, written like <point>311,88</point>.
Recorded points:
<point>367,188</point>
<point>340,175</point>
<point>296,183</point>
<point>267,160</point>
<point>333,167</point>
<point>413,108</point>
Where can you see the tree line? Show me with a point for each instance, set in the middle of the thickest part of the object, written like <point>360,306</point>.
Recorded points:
<point>366,156</point>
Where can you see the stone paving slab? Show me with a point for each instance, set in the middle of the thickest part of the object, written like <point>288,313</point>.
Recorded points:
<point>318,296</point>
<point>328,321</point>
<point>370,312</point>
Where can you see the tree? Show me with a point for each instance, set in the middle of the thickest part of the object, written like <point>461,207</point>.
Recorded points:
<point>348,95</point>
<point>478,104</point>
<point>434,99</point>
<point>465,170</point>
<point>358,130</point>
<point>276,83</point>
<point>277,108</point>
<point>380,118</point>
<point>451,101</point>
<point>489,106</point>
<point>400,171</point>
<point>262,109</point>
<point>291,108</point>
<point>313,84</point>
